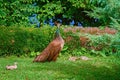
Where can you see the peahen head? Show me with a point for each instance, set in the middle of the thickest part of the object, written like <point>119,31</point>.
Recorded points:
<point>57,33</point>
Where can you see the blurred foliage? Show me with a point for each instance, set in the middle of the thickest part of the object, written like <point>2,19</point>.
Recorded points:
<point>106,11</point>
<point>31,41</point>
<point>22,41</point>
<point>88,12</point>
<point>115,24</point>
<point>14,12</point>
<point>102,45</point>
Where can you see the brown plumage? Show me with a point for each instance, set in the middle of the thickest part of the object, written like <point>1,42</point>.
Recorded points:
<point>51,52</point>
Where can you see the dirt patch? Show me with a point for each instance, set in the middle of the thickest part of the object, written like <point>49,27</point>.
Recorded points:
<point>91,30</point>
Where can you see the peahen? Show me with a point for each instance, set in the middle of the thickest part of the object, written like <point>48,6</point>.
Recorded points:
<point>51,52</point>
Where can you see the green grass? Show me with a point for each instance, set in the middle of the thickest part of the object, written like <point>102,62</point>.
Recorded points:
<point>98,68</point>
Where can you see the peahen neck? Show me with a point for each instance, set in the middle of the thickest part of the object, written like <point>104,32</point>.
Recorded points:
<point>57,33</point>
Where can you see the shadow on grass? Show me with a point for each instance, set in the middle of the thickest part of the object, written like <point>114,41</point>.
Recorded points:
<point>80,71</point>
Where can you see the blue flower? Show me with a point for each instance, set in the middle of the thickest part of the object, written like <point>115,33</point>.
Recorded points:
<point>79,24</point>
<point>72,22</point>
<point>33,20</point>
<point>51,23</point>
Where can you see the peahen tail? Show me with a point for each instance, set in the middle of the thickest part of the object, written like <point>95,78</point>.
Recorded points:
<point>41,58</point>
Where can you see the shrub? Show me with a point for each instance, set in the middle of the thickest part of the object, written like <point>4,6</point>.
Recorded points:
<point>116,45</point>
<point>21,41</point>
<point>96,42</point>
<point>29,41</point>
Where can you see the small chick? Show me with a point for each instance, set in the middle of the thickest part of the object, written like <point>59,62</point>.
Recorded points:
<point>12,67</point>
<point>84,58</point>
<point>73,58</point>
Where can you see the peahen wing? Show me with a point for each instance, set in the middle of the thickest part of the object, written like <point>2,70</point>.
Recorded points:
<point>54,51</point>
<point>50,53</point>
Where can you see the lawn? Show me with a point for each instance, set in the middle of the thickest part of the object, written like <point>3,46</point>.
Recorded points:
<point>97,68</point>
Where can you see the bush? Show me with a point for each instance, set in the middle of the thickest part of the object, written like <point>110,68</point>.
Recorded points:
<point>21,41</point>
<point>81,41</point>
<point>29,41</point>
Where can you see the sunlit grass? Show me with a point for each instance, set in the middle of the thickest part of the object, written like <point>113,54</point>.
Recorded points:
<point>97,68</point>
